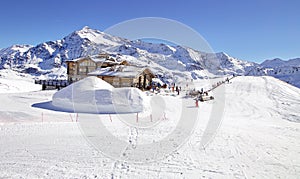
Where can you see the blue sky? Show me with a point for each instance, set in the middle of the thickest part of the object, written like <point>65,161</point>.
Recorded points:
<point>251,30</point>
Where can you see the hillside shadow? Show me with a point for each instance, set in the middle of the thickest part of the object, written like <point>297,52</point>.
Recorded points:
<point>49,106</point>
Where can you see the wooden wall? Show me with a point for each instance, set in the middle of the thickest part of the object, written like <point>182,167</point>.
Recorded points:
<point>79,69</point>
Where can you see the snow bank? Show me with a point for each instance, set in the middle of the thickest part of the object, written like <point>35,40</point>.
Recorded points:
<point>14,82</point>
<point>93,95</point>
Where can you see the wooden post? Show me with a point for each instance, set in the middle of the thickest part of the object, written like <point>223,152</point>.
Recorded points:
<point>139,85</point>
<point>110,118</point>
<point>71,117</point>
<point>144,82</point>
<point>137,117</point>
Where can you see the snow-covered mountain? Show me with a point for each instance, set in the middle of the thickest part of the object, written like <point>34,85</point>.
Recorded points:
<point>165,59</point>
<point>52,54</point>
<point>9,55</point>
<point>288,71</point>
<point>168,61</point>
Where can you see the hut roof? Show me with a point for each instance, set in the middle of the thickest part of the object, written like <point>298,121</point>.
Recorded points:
<point>120,71</point>
<point>95,58</point>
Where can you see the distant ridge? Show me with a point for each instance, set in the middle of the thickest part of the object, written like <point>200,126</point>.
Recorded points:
<point>48,58</point>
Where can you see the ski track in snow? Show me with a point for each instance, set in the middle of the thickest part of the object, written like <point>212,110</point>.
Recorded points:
<point>257,139</point>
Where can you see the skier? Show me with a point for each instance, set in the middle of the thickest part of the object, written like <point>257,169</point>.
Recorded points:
<point>227,80</point>
<point>177,90</point>
<point>153,88</point>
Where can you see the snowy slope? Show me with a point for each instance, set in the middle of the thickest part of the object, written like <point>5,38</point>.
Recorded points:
<point>48,58</point>
<point>14,82</point>
<point>9,56</point>
<point>257,138</point>
<point>52,54</point>
<point>288,71</point>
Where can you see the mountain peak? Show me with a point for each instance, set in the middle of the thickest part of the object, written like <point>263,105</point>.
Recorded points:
<point>86,28</point>
<point>86,33</point>
<point>166,59</point>
<point>15,49</point>
<point>222,54</point>
<point>273,62</point>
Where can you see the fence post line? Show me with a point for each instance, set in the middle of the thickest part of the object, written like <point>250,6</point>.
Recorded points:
<point>137,117</point>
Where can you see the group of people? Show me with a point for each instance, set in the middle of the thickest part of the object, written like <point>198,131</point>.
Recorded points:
<point>175,88</point>
<point>220,82</point>
<point>172,87</point>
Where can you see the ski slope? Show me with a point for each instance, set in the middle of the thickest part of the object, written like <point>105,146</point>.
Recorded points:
<point>14,82</point>
<point>258,137</point>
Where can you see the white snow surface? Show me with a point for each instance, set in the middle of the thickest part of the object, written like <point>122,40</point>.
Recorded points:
<point>14,82</point>
<point>93,95</point>
<point>97,37</point>
<point>258,138</point>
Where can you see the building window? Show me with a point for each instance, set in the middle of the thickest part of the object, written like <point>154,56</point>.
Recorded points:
<point>87,63</point>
